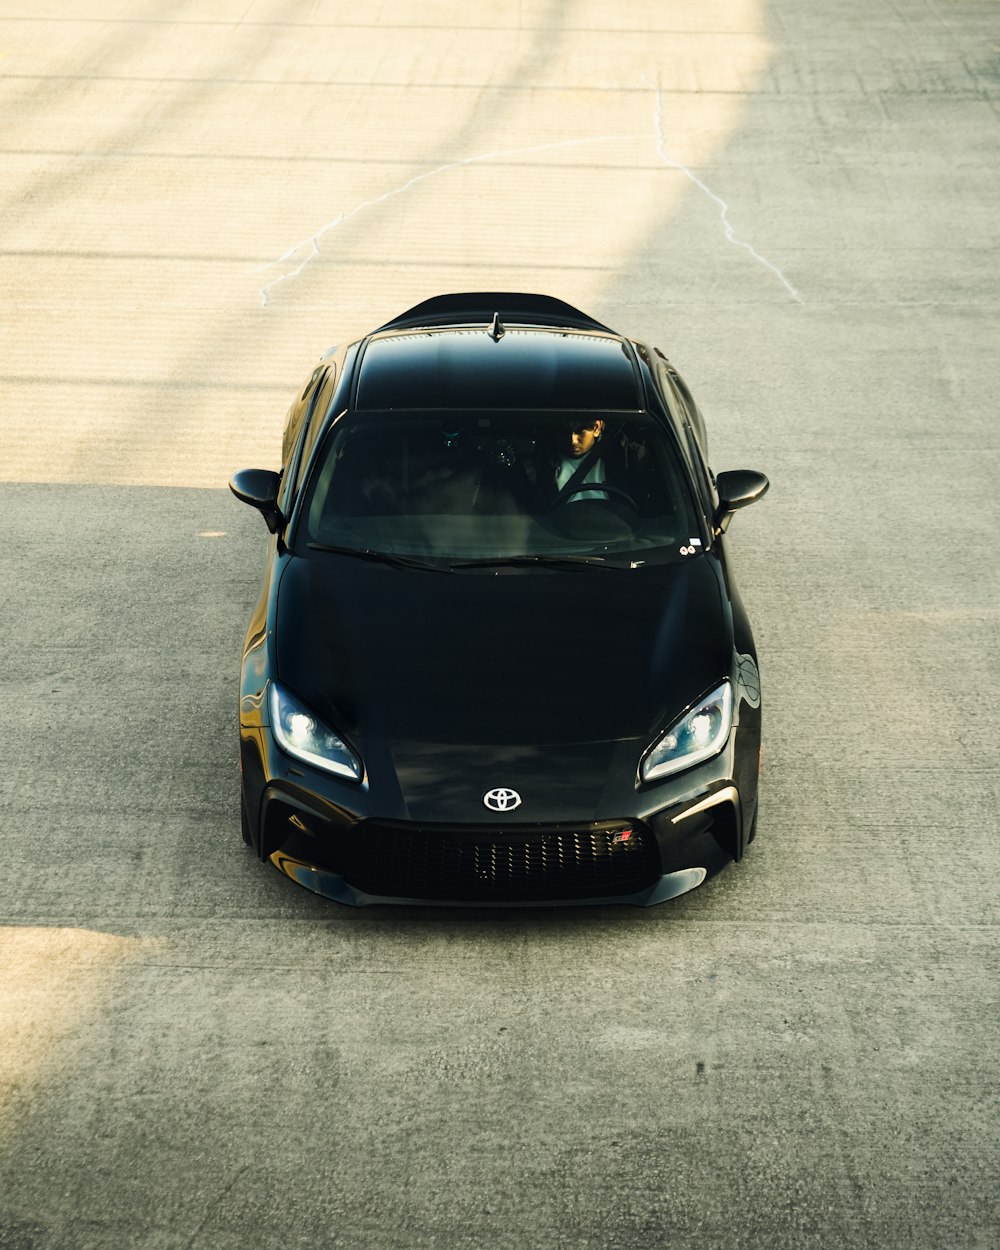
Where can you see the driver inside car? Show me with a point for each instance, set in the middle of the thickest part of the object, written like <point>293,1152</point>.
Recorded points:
<point>601,459</point>
<point>580,444</point>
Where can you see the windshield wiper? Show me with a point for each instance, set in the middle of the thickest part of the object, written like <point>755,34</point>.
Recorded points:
<point>548,562</point>
<point>379,557</point>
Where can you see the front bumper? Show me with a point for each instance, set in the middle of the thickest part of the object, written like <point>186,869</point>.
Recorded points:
<point>333,886</point>
<point>327,836</point>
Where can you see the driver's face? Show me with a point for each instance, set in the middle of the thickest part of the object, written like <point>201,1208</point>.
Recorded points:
<point>583,437</point>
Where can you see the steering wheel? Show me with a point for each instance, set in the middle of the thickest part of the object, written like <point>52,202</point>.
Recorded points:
<point>611,491</point>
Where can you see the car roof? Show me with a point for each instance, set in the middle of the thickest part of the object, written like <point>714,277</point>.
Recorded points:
<point>506,350</point>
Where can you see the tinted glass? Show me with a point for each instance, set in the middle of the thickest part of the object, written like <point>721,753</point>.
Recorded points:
<point>466,369</point>
<point>459,486</point>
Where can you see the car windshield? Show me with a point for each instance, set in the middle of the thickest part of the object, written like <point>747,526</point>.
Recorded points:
<point>501,486</point>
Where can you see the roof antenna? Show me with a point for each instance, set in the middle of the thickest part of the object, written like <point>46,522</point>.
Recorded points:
<point>496,330</point>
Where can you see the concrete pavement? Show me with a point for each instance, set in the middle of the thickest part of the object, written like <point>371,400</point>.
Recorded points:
<point>798,203</point>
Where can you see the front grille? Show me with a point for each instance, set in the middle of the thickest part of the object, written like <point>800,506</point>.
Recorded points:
<point>540,862</point>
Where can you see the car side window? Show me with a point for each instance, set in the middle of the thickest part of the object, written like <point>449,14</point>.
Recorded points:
<point>297,431</point>
<point>675,397</point>
<point>318,410</point>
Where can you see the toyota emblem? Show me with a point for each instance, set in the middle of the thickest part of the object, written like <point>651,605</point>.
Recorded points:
<point>501,799</point>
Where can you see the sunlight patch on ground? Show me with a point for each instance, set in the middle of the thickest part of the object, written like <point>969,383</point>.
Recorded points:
<point>53,985</point>
<point>196,212</point>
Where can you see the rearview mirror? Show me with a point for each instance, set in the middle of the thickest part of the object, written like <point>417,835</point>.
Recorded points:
<point>737,489</point>
<point>259,488</point>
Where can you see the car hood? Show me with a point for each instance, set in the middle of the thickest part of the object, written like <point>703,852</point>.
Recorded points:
<point>514,658</point>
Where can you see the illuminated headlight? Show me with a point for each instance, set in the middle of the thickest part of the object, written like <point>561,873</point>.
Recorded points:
<point>697,736</point>
<point>303,735</point>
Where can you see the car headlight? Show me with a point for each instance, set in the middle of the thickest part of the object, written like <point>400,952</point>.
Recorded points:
<point>302,734</point>
<point>697,736</point>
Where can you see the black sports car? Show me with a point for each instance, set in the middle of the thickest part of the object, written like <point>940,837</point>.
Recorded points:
<point>498,657</point>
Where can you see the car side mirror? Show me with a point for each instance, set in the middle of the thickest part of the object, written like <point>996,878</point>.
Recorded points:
<point>259,488</point>
<point>737,489</point>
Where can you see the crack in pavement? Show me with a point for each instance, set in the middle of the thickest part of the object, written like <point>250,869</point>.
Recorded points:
<point>311,245</point>
<point>311,249</point>
<point>661,148</point>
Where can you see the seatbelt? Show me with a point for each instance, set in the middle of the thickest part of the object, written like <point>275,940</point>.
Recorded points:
<point>579,474</point>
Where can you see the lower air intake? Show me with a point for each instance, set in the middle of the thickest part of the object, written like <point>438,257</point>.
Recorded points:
<point>538,863</point>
